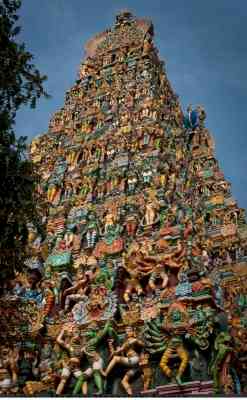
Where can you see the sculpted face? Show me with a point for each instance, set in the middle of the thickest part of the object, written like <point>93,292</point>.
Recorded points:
<point>130,332</point>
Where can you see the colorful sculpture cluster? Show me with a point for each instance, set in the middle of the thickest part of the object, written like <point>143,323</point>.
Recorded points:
<point>137,277</point>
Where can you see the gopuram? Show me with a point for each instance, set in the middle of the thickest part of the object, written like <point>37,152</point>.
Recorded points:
<point>135,283</point>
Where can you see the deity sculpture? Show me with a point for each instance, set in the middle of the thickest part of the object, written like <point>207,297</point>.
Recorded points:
<point>111,229</point>
<point>147,373</point>
<point>220,365</point>
<point>175,326</point>
<point>54,193</point>
<point>132,286</point>
<point>95,370</point>
<point>77,292</point>
<point>45,372</point>
<point>8,369</point>
<point>75,351</point>
<point>150,213</point>
<point>159,274</point>
<point>131,224</point>
<point>95,335</point>
<point>27,364</point>
<point>126,355</point>
<point>49,297</point>
<point>168,337</point>
<point>91,231</point>
<point>132,183</point>
<point>147,176</point>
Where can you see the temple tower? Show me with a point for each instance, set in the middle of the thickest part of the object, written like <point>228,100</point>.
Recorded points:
<point>142,260</point>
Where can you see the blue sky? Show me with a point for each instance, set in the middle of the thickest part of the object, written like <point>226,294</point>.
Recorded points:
<point>202,42</point>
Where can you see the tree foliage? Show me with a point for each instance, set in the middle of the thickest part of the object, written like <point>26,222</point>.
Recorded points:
<point>20,84</point>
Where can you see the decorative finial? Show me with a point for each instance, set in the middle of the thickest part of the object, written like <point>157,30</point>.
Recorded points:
<point>123,17</point>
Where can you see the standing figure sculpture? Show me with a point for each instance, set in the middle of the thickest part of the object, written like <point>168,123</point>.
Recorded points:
<point>72,366</point>
<point>175,347</point>
<point>94,335</point>
<point>167,337</point>
<point>8,369</point>
<point>127,356</point>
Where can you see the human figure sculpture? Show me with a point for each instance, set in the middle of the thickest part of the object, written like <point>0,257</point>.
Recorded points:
<point>8,369</point>
<point>175,325</point>
<point>133,286</point>
<point>76,292</point>
<point>91,231</point>
<point>223,356</point>
<point>147,45</point>
<point>95,370</point>
<point>147,176</point>
<point>159,274</point>
<point>147,372</point>
<point>131,224</point>
<point>49,297</point>
<point>112,228</point>
<point>126,355</point>
<point>53,194</point>
<point>75,351</point>
<point>150,213</point>
<point>151,208</point>
<point>132,183</point>
<point>109,220</point>
<point>47,377</point>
